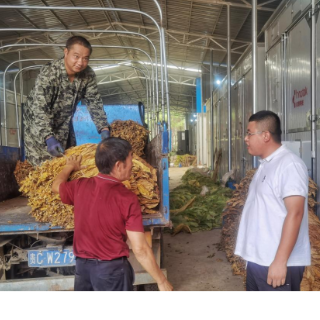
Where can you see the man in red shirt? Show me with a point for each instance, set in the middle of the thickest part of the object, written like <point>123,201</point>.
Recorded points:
<point>106,213</point>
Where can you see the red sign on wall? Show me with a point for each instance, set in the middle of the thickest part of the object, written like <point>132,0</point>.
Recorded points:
<point>298,97</point>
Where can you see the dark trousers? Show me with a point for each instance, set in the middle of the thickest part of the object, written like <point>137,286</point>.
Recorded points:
<point>257,278</point>
<point>97,275</point>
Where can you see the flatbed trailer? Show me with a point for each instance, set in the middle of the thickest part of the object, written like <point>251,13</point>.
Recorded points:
<point>39,256</point>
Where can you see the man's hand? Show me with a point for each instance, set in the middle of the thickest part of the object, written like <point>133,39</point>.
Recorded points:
<point>54,147</point>
<point>75,163</point>
<point>165,286</point>
<point>146,258</point>
<point>105,133</point>
<point>278,268</point>
<point>277,274</point>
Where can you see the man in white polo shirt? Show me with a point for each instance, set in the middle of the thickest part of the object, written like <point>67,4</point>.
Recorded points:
<point>273,235</point>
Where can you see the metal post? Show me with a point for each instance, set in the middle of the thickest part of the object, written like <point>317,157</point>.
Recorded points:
<point>200,129</point>
<point>219,121</point>
<point>254,54</point>
<point>254,64</point>
<point>20,80</point>
<point>211,71</point>
<point>163,62</point>
<point>166,84</point>
<point>284,84</point>
<point>314,116</point>
<point>229,92</point>
<point>211,108</point>
<point>19,123</point>
<point>5,142</point>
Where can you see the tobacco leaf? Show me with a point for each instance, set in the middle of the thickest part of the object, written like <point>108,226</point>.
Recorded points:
<point>133,132</point>
<point>47,206</point>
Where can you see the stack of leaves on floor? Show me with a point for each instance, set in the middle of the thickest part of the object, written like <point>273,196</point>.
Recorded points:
<point>47,206</point>
<point>189,210</point>
<point>231,219</point>
<point>311,276</point>
<point>185,160</point>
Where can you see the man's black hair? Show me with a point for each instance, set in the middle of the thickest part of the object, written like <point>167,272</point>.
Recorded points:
<point>78,40</point>
<point>109,151</point>
<point>271,121</point>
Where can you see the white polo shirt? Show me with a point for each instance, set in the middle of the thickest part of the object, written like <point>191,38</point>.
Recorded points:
<point>280,175</point>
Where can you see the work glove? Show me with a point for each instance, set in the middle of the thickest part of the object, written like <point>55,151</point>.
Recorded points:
<point>54,147</point>
<point>105,134</point>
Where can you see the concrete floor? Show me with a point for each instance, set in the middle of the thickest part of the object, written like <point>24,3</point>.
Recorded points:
<point>175,175</point>
<point>193,261</point>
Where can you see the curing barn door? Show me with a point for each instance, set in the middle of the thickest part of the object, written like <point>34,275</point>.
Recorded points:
<point>298,87</point>
<point>274,80</point>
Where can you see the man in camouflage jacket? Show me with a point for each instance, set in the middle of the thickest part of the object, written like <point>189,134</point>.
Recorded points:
<point>51,104</point>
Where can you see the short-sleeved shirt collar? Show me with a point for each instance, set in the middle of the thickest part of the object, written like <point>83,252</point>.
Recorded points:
<point>272,155</point>
<point>107,177</point>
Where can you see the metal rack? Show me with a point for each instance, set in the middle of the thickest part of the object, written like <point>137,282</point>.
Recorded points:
<point>157,106</point>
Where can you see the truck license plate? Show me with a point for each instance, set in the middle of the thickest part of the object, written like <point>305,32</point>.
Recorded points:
<point>51,258</point>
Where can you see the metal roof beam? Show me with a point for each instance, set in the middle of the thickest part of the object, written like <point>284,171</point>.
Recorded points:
<point>172,31</point>
<point>232,4</point>
<point>127,78</point>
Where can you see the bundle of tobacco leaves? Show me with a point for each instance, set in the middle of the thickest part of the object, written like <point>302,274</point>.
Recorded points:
<point>311,276</point>
<point>189,210</point>
<point>185,160</point>
<point>22,170</point>
<point>231,219</point>
<point>47,206</point>
<point>133,132</point>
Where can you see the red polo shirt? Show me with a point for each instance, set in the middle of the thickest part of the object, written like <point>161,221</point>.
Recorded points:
<point>103,210</point>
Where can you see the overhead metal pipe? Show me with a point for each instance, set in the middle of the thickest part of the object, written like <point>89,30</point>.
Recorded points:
<point>97,31</point>
<point>91,31</point>
<point>4,98</point>
<point>39,66</point>
<point>25,60</point>
<point>18,121</point>
<point>229,91</point>
<point>154,72</point>
<point>165,71</point>
<point>254,64</point>
<point>254,54</point>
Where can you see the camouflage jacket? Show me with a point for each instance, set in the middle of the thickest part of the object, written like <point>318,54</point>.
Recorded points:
<point>51,104</point>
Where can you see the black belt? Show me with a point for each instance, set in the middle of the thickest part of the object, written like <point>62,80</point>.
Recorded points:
<point>99,260</point>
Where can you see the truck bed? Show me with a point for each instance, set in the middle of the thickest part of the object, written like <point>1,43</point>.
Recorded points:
<point>15,217</point>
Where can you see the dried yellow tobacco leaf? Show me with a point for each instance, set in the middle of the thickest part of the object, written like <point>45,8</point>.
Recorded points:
<point>133,132</point>
<point>47,206</point>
